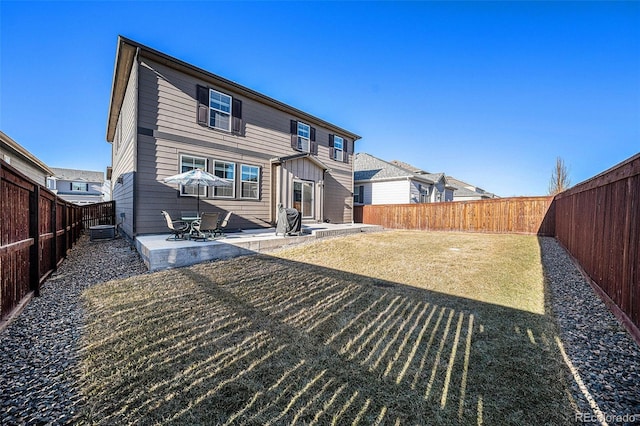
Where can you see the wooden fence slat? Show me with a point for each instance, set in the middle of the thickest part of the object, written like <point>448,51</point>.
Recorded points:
<point>526,215</point>
<point>29,243</point>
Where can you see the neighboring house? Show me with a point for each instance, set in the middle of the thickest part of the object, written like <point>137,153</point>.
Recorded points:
<point>167,116</point>
<point>22,160</point>
<point>380,182</point>
<point>78,186</point>
<point>467,192</point>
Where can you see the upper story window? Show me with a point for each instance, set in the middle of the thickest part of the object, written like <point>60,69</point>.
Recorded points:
<point>338,148</point>
<point>219,110</point>
<point>250,181</point>
<point>187,163</point>
<point>304,137</point>
<point>227,171</point>
<point>80,186</point>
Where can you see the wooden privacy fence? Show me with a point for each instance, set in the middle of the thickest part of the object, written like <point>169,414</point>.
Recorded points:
<point>526,215</point>
<point>36,230</point>
<point>598,222</point>
<point>99,214</point>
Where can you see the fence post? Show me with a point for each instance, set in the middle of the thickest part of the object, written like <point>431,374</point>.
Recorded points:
<point>34,232</point>
<point>54,227</point>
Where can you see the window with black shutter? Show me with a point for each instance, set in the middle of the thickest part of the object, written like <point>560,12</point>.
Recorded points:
<point>218,110</point>
<point>303,137</point>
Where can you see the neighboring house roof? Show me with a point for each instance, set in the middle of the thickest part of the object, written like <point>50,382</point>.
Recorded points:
<point>368,167</point>
<point>461,185</point>
<point>128,50</point>
<point>435,177</point>
<point>77,175</point>
<point>464,192</point>
<point>14,146</point>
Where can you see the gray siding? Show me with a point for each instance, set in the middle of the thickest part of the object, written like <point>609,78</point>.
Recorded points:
<point>24,167</point>
<point>123,151</point>
<point>167,116</point>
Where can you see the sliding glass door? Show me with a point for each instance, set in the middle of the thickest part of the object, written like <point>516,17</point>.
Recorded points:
<point>303,198</point>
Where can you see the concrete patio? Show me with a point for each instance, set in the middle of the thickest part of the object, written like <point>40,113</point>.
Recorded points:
<point>158,253</point>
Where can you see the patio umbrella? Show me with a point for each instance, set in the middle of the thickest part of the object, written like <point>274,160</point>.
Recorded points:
<point>198,178</point>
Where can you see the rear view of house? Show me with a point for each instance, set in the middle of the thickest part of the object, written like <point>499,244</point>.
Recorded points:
<point>167,117</point>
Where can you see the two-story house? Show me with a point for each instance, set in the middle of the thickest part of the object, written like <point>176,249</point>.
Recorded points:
<point>78,186</point>
<point>380,182</point>
<point>167,116</point>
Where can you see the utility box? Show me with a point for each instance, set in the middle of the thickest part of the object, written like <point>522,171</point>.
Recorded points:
<point>102,232</point>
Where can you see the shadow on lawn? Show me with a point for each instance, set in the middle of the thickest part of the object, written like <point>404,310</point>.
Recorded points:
<point>262,340</point>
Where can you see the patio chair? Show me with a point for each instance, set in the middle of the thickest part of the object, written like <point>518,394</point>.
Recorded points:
<point>205,228</point>
<point>222,225</point>
<point>178,227</point>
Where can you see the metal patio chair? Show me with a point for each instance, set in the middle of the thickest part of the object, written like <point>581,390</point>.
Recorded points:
<point>222,225</point>
<point>178,227</point>
<point>206,227</point>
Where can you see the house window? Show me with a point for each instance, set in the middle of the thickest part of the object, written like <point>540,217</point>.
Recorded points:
<point>80,186</point>
<point>51,183</point>
<point>227,171</point>
<point>304,137</point>
<point>249,181</point>
<point>187,163</point>
<point>219,110</point>
<point>358,194</point>
<point>338,148</point>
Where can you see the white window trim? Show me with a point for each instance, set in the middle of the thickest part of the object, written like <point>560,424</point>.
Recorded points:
<point>337,151</point>
<point>220,111</point>
<point>304,138</point>
<point>233,181</point>
<point>206,162</point>
<point>257,197</point>
<point>51,183</point>
<point>313,197</point>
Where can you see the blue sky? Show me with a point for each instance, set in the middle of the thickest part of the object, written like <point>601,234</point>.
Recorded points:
<point>490,93</point>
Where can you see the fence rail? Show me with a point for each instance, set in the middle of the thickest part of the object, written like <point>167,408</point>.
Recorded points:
<point>36,230</point>
<point>526,215</point>
<point>598,222</point>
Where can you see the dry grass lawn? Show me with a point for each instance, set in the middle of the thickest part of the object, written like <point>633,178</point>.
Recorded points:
<point>384,328</point>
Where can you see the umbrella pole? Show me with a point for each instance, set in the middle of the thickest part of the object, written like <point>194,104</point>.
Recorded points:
<point>198,196</point>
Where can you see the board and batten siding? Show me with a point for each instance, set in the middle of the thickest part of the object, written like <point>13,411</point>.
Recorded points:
<point>167,107</point>
<point>123,152</point>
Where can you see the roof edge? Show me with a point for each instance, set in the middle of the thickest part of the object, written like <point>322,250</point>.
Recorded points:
<point>15,146</point>
<point>173,62</point>
<point>125,54</point>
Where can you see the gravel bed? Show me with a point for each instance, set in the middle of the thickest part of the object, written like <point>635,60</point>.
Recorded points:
<point>39,350</point>
<point>603,354</point>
